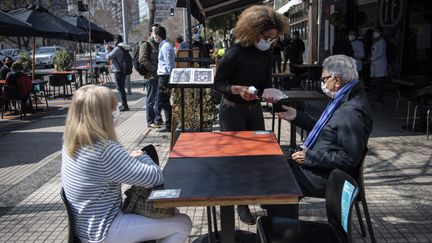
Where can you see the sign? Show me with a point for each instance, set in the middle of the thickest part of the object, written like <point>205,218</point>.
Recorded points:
<point>192,76</point>
<point>391,12</point>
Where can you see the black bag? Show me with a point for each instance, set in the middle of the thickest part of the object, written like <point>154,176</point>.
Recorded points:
<point>139,67</point>
<point>126,67</point>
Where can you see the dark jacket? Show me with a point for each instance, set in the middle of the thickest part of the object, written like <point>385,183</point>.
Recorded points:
<point>296,50</point>
<point>342,141</point>
<point>4,70</point>
<point>148,55</point>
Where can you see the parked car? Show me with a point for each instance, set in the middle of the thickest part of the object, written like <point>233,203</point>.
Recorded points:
<point>14,53</point>
<point>101,56</point>
<point>45,55</point>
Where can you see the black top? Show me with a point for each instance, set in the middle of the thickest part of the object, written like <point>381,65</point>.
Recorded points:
<point>3,72</point>
<point>243,66</point>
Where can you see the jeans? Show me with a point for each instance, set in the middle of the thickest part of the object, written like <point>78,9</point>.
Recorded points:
<point>163,99</point>
<point>120,80</point>
<point>136,228</point>
<point>153,114</point>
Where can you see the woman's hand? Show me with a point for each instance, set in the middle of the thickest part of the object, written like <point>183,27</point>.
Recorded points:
<point>289,114</point>
<point>136,153</point>
<point>246,95</point>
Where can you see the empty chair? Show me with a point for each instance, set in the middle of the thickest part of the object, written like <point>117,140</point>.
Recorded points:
<point>422,98</point>
<point>341,193</point>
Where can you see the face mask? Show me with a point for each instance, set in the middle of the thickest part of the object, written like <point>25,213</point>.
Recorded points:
<point>116,116</point>
<point>376,35</point>
<point>263,45</point>
<point>326,91</point>
<point>351,37</point>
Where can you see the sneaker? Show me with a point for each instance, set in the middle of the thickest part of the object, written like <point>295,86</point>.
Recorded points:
<point>164,129</point>
<point>245,214</point>
<point>153,125</point>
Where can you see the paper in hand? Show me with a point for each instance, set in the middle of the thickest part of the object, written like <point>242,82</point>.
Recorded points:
<point>274,94</point>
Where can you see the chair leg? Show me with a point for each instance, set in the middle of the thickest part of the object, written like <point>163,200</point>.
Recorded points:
<point>209,224</point>
<point>408,114</point>
<point>360,219</point>
<point>414,118</point>
<point>215,223</point>
<point>427,123</point>
<point>368,219</point>
<point>396,106</point>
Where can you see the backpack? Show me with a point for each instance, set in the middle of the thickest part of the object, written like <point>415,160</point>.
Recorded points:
<point>139,67</point>
<point>126,67</point>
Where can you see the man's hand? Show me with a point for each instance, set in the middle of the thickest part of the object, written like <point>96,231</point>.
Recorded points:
<point>299,156</point>
<point>136,153</point>
<point>289,114</point>
<point>246,95</point>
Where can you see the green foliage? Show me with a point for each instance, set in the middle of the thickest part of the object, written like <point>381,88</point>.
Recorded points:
<point>223,23</point>
<point>26,61</point>
<point>62,60</point>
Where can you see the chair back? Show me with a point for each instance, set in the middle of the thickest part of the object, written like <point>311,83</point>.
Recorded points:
<point>422,96</point>
<point>72,238</point>
<point>150,150</point>
<point>341,194</point>
<point>358,172</point>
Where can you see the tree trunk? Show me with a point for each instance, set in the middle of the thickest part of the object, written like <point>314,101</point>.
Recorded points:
<point>152,11</point>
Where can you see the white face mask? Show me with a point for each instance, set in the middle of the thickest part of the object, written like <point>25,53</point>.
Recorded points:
<point>351,37</point>
<point>263,45</point>
<point>116,116</point>
<point>376,35</point>
<point>326,91</point>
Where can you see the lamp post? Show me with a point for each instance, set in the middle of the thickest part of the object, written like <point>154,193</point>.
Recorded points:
<point>125,39</point>
<point>84,8</point>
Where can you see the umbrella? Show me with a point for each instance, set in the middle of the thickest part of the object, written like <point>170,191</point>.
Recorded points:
<point>49,26</point>
<point>10,26</point>
<point>98,34</point>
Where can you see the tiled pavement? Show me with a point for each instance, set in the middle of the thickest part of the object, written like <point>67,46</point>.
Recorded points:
<point>397,174</point>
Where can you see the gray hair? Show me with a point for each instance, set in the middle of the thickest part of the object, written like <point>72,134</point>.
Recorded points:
<point>341,65</point>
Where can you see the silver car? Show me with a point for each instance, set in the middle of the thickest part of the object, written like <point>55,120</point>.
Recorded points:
<point>101,56</point>
<point>45,55</point>
<point>13,53</point>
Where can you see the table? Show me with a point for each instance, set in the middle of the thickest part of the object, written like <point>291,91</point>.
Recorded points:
<point>226,169</point>
<point>307,65</point>
<point>293,96</point>
<point>85,68</point>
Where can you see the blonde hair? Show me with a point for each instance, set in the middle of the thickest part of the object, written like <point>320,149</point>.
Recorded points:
<point>89,118</point>
<point>255,20</point>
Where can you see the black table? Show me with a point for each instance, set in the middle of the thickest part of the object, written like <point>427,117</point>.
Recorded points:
<point>226,169</point>
<point>293,96</point>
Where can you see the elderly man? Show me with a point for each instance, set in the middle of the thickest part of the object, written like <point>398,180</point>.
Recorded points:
<point>338,139</point>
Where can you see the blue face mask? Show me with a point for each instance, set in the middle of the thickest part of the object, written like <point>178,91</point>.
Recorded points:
<point>263,45</point>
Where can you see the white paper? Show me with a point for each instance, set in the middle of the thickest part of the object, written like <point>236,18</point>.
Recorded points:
<point>192,76</point>
<point>274,94</point>
<point>160,194</point>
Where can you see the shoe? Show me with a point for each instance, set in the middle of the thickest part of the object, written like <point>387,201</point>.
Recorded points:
<point>160,123</point>
<point>164,129</point>
<point>245,214</point>
<point>153,125</point>
<point>122,108</point>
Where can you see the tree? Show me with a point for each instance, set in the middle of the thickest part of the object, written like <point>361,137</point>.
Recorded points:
<point>152,12</point>
<point>223,23</point>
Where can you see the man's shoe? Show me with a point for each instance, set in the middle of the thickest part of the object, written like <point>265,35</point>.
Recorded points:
<point>154,125</point>
<point>245,214</point>
<point>160,123</point>
<point>164,129</point>
<point>122,108</point>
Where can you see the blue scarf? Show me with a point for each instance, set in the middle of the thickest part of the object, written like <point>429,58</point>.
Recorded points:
<point>328,112</point>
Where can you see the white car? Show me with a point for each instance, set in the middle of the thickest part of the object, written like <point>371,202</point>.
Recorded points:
<point>101,56</point>
<point>45,55</point>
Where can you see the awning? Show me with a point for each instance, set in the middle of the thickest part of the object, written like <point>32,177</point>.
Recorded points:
<point>202,9</point>
<point>287,6</point>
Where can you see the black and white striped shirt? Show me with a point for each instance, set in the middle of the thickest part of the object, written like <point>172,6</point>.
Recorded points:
<point>92,182</point>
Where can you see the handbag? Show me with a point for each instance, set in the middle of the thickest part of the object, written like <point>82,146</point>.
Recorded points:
<point>135,202</point>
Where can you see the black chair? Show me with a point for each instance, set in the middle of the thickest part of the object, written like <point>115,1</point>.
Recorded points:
<point>338,228</point>
<point>72,238</point>
<point>422,98</point>
<point>313,78</point>
<point>39,89</point>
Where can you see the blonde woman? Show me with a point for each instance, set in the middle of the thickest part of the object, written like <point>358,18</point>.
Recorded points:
<point>95,165</point>
<point>248,63</point>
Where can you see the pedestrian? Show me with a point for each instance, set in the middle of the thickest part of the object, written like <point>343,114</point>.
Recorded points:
<point>378,69</point>
<point>94,168</point>
<point>358,48</point>
<point>245,71</point>
<point>337,140</point>
<point>117,55</point>
<point>166,62</point>
<point>276,56</point>
<point>6,68</point>
<point>148,56</point>
<point>342,45</point>
<point>286,42</point>
<point>18,86</point>
<point>296,50</point>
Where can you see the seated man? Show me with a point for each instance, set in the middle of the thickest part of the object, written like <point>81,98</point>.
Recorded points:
<point>18,86</point>
<point>338,139</point>
<point>6,67</point>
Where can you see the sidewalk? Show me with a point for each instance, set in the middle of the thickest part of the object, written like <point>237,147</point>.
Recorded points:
<point>398,177</point>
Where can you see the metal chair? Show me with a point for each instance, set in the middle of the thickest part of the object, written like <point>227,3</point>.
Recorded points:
<point>422,98</point>
<point>39,89</point>
<point>72,238</point>
<point>341,193</point>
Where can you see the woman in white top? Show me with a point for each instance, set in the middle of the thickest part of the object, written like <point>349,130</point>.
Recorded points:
<point>94,167</point>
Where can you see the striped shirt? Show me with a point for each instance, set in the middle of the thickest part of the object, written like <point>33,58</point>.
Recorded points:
<point>92,182</point>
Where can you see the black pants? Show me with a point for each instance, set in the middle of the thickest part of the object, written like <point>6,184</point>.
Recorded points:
<point>277,63</point>
<point>240,118</point>
<point>120,80</point>
<point>163,99</point>
<point>379,84</point>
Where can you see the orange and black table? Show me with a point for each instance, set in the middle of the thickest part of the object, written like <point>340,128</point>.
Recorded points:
<point>227,169</point>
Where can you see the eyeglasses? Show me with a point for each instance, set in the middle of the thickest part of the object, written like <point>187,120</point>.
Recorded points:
<point>324,79</point>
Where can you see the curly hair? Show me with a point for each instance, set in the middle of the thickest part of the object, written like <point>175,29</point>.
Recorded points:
<point>255,20</point>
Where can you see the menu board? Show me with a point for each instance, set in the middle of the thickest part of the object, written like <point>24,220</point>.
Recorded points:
<point>192,76</point>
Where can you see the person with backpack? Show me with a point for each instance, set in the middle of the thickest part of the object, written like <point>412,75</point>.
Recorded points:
<point>147,56</point>
<point>121,67</point>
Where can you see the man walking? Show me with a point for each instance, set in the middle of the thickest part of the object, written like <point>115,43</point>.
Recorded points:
<point>117,55</point>
<point>166,61</point>
<point>148,56</point>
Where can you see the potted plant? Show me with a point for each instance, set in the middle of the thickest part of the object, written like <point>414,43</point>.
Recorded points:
<point>62,60</point>
<point>26,61</point>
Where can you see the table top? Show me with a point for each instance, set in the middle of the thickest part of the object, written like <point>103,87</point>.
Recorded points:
<point>304,95</point>
<point>283,75</point>
<point>223,178</point>
<point>36,81</point>
<point>307,65</point>
<point>49,72</point>
<point>2,81</point>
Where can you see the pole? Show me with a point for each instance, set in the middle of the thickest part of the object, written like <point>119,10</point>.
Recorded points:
<point>125,39</point>
<point>34,58</point>
<point>184,24</point>
<point>90,42</point>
